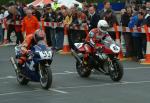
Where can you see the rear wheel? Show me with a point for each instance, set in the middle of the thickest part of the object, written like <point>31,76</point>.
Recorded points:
<point>21,79</point>
<point>82,71</point>
<point>46,78</point>
<point>116,73</point>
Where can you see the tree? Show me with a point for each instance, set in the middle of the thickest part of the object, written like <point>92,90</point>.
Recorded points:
<point>7,1</point>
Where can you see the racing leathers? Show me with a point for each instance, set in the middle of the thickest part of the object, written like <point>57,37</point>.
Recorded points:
<point>95,36</point>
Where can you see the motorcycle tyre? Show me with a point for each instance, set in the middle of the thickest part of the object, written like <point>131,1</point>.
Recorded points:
<point>49,79</point>
<point>86,73</point>
<point>119,70</point>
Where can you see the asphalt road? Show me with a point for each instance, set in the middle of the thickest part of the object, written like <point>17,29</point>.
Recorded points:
<point>68,87</point>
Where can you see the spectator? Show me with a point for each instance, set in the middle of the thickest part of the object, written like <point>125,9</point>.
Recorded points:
<point>59,30</point>
<point>36,13</point>
<point>85,9</point>
<point>146,21</point>
<point>107,6</point>
<point>10,20</point>
<point>136,21</point>
<point>48,17</point>
<point>82,20</point>
<point>111,19</point>
<point>55,5</point>
<point>20,9</point>
<point>68,19</point>
<point>18,32</point>
<point>30,23</point>
<point>125,19</point>
<point>94,18</point>
<point>148,6</point>
<point>1,22</point>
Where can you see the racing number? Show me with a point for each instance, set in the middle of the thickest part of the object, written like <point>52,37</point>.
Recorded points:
<point>46,54</point>
<point>115,48</point>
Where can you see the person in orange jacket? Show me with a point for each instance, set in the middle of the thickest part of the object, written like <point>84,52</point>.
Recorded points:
<point>30,23</point>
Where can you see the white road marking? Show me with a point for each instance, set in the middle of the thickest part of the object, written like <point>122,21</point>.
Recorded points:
<point>69,72</point>
<point>12,93</point>
<point>101,85</point>
<point>64,73</point>
<point>7,77</point>
<point>59,91</point>
<point>136,82</point>
<point>137,68</point>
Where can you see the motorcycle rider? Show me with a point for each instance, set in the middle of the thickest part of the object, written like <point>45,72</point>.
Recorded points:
<point>30,41</point>
<point>95,35</point>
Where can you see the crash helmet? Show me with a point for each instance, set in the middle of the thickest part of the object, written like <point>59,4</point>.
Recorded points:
<point>39,35</point>
<point>103,25</point>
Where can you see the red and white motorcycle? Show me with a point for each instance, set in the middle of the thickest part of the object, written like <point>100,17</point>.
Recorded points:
<point>103,58</point>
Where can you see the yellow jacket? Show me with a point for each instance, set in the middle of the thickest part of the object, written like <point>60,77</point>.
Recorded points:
<point>68,20</point>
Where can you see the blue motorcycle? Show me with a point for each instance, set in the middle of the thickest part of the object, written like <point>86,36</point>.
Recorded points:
<point>37,67</point>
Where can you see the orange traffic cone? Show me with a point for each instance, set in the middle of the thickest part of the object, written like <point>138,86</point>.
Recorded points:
<point>147,56</point>
<point>120,56</point>
<point>66,48</point>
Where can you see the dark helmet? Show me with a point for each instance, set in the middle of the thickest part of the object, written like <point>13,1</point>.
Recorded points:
<point>39,35</point>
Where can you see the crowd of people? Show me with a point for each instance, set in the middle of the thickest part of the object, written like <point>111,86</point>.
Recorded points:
<point>136,16</point>
<point>30,16</point>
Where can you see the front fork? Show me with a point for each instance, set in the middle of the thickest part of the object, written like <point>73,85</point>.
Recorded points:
<point>41,69</point>
<point>14,64</point>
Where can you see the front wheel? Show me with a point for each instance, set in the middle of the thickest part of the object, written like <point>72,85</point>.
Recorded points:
<point>82,71</point>
<point>116,71</point>
<point>46,77</point>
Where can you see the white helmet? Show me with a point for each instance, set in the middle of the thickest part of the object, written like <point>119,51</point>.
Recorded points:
<point>103,25</point>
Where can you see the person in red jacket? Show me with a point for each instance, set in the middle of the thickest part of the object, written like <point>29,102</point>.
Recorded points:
<point>95,36</point>
<point>30,23</point>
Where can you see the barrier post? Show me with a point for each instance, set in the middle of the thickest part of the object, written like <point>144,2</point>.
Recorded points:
<point>120,56</point>
<point>66,48</point>
<point>123,41</point>
<point>147,56</point>
<point>5,31</point>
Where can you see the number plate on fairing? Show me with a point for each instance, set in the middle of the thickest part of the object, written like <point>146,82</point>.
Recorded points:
<point>45,54</point>
<point>78,45</point>
<point>115,48</point>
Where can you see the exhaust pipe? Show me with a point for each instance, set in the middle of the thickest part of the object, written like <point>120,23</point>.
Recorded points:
<point>13,63</point>
<point>76,56</point>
